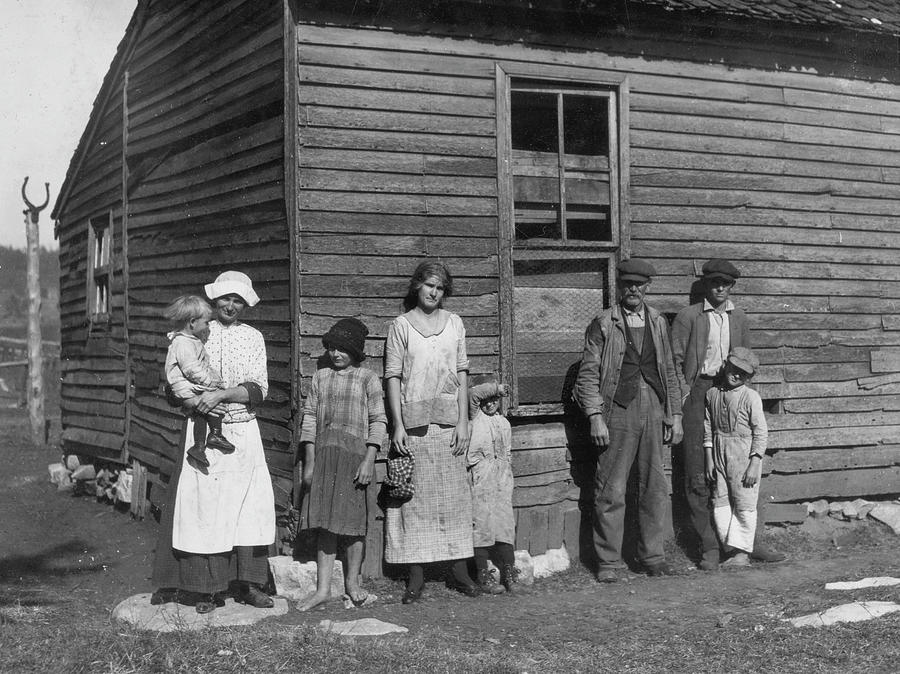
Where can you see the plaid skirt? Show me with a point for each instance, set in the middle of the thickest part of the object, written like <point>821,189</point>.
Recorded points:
<point>436,523</point>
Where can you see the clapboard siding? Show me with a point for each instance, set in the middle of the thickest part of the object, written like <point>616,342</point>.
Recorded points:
<point>205,192</point>
<point>93,367</point>
<point>792,175</point>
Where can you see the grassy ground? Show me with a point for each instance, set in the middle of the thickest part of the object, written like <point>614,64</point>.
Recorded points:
<point>65,562</point>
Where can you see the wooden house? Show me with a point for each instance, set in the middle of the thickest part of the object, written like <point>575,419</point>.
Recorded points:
<point>325,147</point>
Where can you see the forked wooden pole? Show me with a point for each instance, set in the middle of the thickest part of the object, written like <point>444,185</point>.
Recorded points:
<point>35,358</point>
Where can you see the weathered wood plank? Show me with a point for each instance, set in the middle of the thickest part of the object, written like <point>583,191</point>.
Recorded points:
<point>813,460</point>
<point>831,484</point>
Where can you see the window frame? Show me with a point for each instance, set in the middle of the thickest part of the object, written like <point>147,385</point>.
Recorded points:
<point>613,251</point>
<point>104,270</point>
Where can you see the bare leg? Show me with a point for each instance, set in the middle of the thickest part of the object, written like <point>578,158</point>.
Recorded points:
<point>355,552</point>
<point>327,550</point>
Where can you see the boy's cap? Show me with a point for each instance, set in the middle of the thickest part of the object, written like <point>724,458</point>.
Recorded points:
<point>348,334</point>
<point>233,283</point>
<point>635,269</point>
<point>719,268</point>
<point>744,359</point>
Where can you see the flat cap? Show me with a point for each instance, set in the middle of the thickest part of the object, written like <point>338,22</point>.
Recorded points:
<point>719,268</point>
<point>635,269</point>
<point>744,359</point>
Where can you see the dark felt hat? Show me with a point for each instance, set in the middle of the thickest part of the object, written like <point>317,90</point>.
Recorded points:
<point>348,334</point>
<point>635,269</point>
<point>719,268</point>
<point>744,359</point>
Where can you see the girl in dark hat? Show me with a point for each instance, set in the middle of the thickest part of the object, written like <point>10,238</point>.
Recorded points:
<point>344,424</point>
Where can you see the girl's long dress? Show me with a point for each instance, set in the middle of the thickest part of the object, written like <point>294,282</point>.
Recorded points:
<point>344,411</point>
<point>436,524</point>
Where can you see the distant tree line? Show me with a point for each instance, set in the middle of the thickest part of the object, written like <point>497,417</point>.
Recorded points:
<point>14,295</point>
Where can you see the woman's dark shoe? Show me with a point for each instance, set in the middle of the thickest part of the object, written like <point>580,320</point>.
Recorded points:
<point>411,596</point>
<point>207,604</point>
<point>164,595</point>
<point>252,595</point>
<point>463,588</point>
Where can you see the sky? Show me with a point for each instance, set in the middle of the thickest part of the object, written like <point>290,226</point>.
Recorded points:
<point>54,54</point>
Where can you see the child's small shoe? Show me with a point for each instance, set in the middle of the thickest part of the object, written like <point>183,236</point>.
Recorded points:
<point>509,576</point>
<point>217,441</point>
<point>197,453</point>
<point>487,583</point>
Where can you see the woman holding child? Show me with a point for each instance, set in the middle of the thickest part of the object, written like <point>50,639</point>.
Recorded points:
<point>426,366</point>
<point>220,518</point>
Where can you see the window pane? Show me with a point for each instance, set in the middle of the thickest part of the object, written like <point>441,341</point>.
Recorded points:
<point>534,121</point>
<point>585,125</point>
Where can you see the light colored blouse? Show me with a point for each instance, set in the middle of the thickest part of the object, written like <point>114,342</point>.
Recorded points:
<point>427,365</point>
<point>238,353</point>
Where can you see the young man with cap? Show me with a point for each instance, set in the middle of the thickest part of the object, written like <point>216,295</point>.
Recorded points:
<point>703,335</point>
<point>627,387</point>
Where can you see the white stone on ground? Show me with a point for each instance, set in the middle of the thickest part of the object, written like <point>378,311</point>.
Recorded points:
<point>172,617</point>
<point>878,581</point>
<point>297,580</point>
<point>857,611</point>
<point>364,627</point>
<point>889,513</point>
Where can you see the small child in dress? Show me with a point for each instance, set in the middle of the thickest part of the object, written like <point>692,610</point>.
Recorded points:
<point>735,442</point>
<point>490,471</point>
<point>190,373</point>
<point>344,425</point>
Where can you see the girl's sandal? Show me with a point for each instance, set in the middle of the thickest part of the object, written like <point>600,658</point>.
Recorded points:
<point>364,599</point>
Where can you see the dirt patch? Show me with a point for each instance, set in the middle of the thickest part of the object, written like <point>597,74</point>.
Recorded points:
<point>66,561</point>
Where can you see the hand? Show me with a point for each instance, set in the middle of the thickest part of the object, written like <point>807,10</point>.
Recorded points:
<point>751,475</point>
<point>210,400</point>
<point>503,390</point>
<point>364,473</point>
<point>307,476</point>
<point>599,431</point>
<point>399,441</point>
<point>674,433</point>
<point>710,473</point>
<point>459,443</point>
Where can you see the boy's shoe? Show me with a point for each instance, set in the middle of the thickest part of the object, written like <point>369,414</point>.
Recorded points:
<point>198,454</point>
<point>217,441</point>
<point>661,569</point>
<point>708,565</point>
<point>736,561</point>
<point>487,583</point>
<point>610,575</point>
<point>763,554</point>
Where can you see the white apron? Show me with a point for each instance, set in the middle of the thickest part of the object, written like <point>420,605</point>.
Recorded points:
<point>231,505</point>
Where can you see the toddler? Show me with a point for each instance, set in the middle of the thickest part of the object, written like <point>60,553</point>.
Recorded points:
<point>189,372</point>
<point>735,435</point>
<point>344,425</point>
<point>490,471</point>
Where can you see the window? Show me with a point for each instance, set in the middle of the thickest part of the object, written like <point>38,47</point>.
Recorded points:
<point>99,267</point>
<point>561,149</point>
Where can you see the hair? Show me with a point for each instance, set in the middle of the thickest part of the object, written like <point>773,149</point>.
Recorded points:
<point>186,308</point>
<point>423,272</point>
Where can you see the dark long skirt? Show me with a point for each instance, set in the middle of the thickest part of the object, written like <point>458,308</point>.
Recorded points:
<point>206,574</point>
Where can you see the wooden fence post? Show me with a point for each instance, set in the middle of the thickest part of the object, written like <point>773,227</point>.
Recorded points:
<point>35,385</point>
